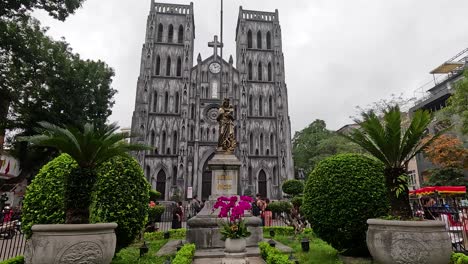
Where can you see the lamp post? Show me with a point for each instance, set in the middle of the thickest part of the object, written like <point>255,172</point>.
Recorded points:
<point>305,244</point>
<point>143,249</point>
<point>167,235</point>
<point>272,233</point>
<point>272,243</point>
<point>293,259</point>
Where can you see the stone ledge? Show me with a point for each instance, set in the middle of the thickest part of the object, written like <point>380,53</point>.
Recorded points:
<point>219,253</point>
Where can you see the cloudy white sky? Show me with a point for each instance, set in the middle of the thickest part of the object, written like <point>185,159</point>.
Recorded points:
<point>338,53</point>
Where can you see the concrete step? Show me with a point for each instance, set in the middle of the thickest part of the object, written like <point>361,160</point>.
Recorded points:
<point>252,260</point>
<point>219,253</point>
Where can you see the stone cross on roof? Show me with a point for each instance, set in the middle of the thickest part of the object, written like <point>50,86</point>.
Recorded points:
<point>215,44</point>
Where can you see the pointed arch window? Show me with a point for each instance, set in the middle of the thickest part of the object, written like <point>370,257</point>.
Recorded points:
<point>201,133</point>
<point>250,105</point>
<point>270,74</point>
<point>261,144</point>
<point>272,144</point>
<point>152,141</point>
<point>163,142</point>
<point>174,143</point>
<point>179,67</point>
<point>168,66</point>
<point>191,133</point>
<point>260,106</point>
<point>170,34</point>
<point>270,106</point>
<point>148,174</point>
<point>158,65</point>
<point>176,103</point>
<point>259,71</point>
<point>250,176</point>
<point>174,176</point>
<point>249,39</point>
<point>161,184</point>
<point>160,33</point>
<point>166,102</point>
<point>155,102</point>
<point>250,70</point>
<point>180,35</point>
<point>259,40</point>
<point>268,40</point>
<point>251,143</point>
<point>192,111</point>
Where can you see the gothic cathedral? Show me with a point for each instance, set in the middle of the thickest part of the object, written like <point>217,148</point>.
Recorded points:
<point>177,103</point>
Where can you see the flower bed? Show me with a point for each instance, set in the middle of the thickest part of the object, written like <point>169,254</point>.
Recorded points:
<point>185,254</point>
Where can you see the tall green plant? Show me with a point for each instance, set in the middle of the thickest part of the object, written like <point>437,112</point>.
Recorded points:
<point>89,147</point>
<point>395,144</point>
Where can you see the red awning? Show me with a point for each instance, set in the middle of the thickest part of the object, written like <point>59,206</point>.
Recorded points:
<point>440,190</point>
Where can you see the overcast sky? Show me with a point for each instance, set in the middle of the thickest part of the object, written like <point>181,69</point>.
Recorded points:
<point>338,53</point>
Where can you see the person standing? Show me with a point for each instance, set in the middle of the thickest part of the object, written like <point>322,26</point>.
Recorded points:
<point>177,216</point>
<point>267,215</point>
<point>195,206</point>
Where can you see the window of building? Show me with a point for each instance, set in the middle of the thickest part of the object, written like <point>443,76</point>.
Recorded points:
<point>179,67</point>
<point>259,40</point>
<point>260,106</point>
<point>166,102</point>
<point>174,143</point>
<point>251,143</point>
<point>176,103</point>
<point>170,34</point>
<point>214,89</point>
<point>261,144</point>
<point>155,102</point>
<point>250,70</point>
<point>249,39</point>
<point>270,106</point>
<point>163,142</point>
<point>250,105</point>
<point>272,144</point>
<point>168,66</point>
<point>160,33</point>
<point>158,65</point>
<point>268,40</point>
<point>259,72</point>
<point>180,36</point>
<point>174,176</point>
<point>270,74</point>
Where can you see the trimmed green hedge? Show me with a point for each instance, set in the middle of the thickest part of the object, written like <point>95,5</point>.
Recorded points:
<point>284,230</point>
<point>272,255</point>
<point>173,234</point>
<point>185,255</point>
<point>154,195</point>
<point>458,258</point>
<point>120,195</point>
<point>293,187</point>
<point>341,193</point>
<point>279,207</point>
<point>15,260</point>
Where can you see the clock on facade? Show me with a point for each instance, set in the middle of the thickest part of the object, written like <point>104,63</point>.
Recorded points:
<point>215,67</point>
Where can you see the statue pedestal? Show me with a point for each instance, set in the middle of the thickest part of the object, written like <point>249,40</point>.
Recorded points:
<point>203,229</point>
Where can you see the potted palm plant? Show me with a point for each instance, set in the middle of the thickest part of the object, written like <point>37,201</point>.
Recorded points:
<point>77,239</point>
<point>233,229</point>
<point>394,143</point>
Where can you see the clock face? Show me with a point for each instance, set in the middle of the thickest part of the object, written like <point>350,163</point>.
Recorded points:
<point>215,67</point>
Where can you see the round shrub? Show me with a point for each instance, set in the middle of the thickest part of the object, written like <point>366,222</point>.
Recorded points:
<point>293,187</point>
<point>297,201</point>
<point>279,207</point>
<point>341,193</point>
<point>43,201</point>
<point>121,195</point>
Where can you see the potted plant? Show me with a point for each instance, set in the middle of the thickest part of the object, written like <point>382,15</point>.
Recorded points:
<point>233,229</point>
<point>77,239</point>
<point>392,142</point>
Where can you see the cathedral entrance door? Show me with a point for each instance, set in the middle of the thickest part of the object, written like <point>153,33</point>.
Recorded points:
<point>262,184</point>
<point>206,185</point>
<point>161,184</point>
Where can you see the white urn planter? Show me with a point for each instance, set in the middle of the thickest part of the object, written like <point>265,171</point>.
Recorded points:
<point>408,242</point>
<point>235,251</point>
<point>71,243</point>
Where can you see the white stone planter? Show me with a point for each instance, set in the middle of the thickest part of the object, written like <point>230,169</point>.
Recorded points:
<point>71,243</point>
<point>408,242</point>
<point>235,245</point>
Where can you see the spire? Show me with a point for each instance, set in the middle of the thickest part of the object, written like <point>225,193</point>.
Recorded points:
<point>231,61</point>
<point>199,57</point>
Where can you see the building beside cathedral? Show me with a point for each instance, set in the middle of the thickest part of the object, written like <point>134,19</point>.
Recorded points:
<point>177,101</point>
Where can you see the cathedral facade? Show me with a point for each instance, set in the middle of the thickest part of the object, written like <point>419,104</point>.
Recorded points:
<point>177,101</point>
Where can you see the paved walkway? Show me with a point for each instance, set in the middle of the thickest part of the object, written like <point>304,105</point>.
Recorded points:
<point>252,260</point>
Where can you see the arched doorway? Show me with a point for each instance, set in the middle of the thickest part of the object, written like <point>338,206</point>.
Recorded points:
<point>262,183</point>
<point>161,184</point>
<point>206,180</point>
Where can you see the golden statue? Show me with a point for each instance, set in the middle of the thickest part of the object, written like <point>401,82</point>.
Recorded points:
<point>226,140</point>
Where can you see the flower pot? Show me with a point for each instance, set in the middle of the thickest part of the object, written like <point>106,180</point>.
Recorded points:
<point>71,243</point>
<point>236,245</point>
<point>409,242</point>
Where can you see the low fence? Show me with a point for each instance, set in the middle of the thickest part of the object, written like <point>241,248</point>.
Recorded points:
<point>12,239</point>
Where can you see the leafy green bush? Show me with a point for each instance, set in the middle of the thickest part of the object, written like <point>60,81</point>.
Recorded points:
<point>155,212</point>
<point>272,255</point>
<point>185,254</point>
<point>297,201</point>
<point>173,234</point>
<point>458,258</point>
<point>15,260</point>
<point>280,230</point>
<point>341,193</point>
<point>279,207</point>
<point>154,195</point>
<point>43,202</point>
<point>121,196</point>
<point>293,187</point>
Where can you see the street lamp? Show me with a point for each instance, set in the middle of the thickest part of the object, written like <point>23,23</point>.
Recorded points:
<point>167,235</point>
<point>272,243</point>
<point>305,244</point>
<point>143,249</point>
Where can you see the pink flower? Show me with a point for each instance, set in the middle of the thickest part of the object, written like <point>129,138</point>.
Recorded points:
<point>152,204</point>
<point>246,199</point>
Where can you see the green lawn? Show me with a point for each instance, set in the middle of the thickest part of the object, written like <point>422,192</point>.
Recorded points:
<point>131,254</point>
<point>320,252</point>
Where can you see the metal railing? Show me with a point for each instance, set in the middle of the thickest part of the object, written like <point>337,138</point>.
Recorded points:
<point>12,239</point>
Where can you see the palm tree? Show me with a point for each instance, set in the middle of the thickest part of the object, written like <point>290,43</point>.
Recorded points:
<point>89,147</point>
<point>395,144</point>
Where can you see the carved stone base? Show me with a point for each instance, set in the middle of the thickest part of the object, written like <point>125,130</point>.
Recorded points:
<point>235,258</point>
<point>72,243</point>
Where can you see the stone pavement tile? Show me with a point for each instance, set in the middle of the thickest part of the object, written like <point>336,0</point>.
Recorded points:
<point>169,248</point>
<point>252,260</point>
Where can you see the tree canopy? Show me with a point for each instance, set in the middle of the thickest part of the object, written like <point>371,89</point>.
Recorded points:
<point>447,151</point>
<point>458,103</point>
<point>315,143</point>
<point>59,9</point>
